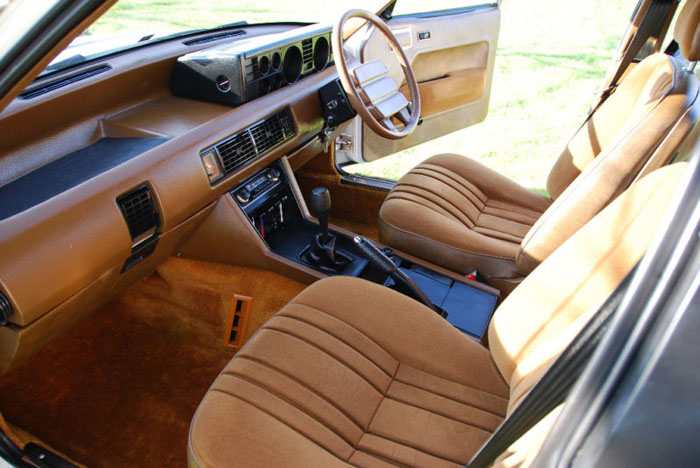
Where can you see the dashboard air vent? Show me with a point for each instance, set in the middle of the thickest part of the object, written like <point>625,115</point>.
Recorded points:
<point>236,151</point>
<point>140,213</point>
<point>214,37</point>
<point>307,51</point>
<point>254,141</point>
<point>5,309</point>
<point>61,82</point>
<point>267,134</point>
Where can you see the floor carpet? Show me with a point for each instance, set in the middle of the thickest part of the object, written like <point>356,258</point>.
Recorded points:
<point>120,388</point>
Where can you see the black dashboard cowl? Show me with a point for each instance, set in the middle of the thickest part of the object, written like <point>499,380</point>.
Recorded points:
<point>244,69</point>
<point>208,79</point>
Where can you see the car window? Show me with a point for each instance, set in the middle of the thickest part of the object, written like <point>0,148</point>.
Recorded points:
<point>411,7</point>
<point>132,22</point>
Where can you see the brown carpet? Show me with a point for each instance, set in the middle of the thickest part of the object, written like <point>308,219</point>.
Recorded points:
<point>120,388</point>
<point>353,207</point>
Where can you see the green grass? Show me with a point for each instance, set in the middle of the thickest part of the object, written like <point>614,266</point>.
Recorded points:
<point>551,59</point>
<point>167,16</point>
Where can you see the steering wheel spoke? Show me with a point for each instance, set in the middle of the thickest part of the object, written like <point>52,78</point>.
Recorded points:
<point>389,125</point>
<point>370,88</point>
<point>404,116</point>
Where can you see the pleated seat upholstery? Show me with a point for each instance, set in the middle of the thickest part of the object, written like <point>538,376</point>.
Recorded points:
<point>456,213</point>
<point>460,214</point>
<point>351,373</point>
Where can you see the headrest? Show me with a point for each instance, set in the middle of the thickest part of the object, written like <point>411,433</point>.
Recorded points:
<point>687,33</point>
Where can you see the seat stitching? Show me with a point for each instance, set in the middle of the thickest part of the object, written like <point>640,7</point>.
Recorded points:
<point>278,419</point>
<point>495,234</point>
<point>294,405</point>
<point>381,457</point>
<point>306,386</point>
<point>337,338</point>
<point>510,215</point>
<point>447,397</point>
<point>445,204</point>
<point>482,226</point>
<point>393,377</point>
<point>467,191</point>
<point>439,414</point>
<point>440,210</point>
<point>303,340</point>
<point>511,208</point>
<point>296,301</point>
<point>456,178</point>
<point>438,244</point>
<point>417,449</point>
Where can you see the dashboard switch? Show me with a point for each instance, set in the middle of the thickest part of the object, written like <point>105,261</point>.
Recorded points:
<point>211,166</point>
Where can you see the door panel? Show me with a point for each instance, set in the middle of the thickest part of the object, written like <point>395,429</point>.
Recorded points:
<point>452,56</point>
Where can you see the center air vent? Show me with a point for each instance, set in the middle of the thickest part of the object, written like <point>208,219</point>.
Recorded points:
<point>236,151</point>
<point>140,213</point>
<point>267,134</point>
<point>307,51</point>
<point>250,143</point>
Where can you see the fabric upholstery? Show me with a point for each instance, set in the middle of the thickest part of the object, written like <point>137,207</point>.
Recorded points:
<point>615,144</point>
<point>595,260</point>
<point>335,378</point>
<point>353,373</point>
<point>686,31</point>
<point>457,213</point>
<point>460,215</point>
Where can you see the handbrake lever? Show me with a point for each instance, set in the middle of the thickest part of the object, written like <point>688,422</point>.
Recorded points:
<point>386,265</point>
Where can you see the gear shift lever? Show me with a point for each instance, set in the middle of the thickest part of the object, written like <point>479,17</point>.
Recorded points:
<point>320,206</point>
<point>322,253</point>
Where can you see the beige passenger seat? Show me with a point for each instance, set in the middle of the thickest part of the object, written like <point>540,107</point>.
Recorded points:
<point>461,215</point>
<point>353,373</point>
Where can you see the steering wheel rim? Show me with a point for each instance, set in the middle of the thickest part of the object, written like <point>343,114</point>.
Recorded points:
<point>369,112</point>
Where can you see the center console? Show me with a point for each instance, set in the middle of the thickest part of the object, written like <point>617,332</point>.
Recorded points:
<point>269,204</point>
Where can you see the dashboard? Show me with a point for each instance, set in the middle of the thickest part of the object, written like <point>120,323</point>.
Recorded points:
<point>108,169</point>
<point>244,70</point>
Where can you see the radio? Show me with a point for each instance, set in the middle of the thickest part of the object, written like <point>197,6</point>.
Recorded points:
<point>259,184</point>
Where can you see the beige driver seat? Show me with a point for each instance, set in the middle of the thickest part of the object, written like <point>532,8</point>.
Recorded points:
<point>456,213</point>
<point>350,373</point>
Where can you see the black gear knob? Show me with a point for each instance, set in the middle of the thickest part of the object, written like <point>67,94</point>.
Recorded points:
<point>320,201</point>
<point>321,205</point>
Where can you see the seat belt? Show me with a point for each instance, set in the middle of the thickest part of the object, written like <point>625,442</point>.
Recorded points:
<point>554,386</point>
<point>652,24</point>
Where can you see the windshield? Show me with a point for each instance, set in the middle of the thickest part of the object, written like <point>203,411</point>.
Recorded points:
<point>131,22</point>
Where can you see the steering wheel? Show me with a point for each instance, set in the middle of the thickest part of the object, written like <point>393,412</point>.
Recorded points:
<point>371,91</point>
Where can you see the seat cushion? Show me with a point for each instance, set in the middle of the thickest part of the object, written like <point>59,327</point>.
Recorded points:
<point>351,373</point>
<point>459,214</point>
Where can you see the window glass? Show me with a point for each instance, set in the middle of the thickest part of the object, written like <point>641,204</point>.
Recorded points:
<point>409,7</point>
<point>130,22</point>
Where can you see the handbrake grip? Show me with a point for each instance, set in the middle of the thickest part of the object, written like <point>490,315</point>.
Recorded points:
<point>382,261</point>
<point>375,256</point>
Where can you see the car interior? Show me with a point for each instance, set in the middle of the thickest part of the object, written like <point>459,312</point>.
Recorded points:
<point>188,277</point>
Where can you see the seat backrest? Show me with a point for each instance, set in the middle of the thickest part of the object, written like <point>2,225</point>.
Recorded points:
<point>638,128</point>
<point>541,317</point>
